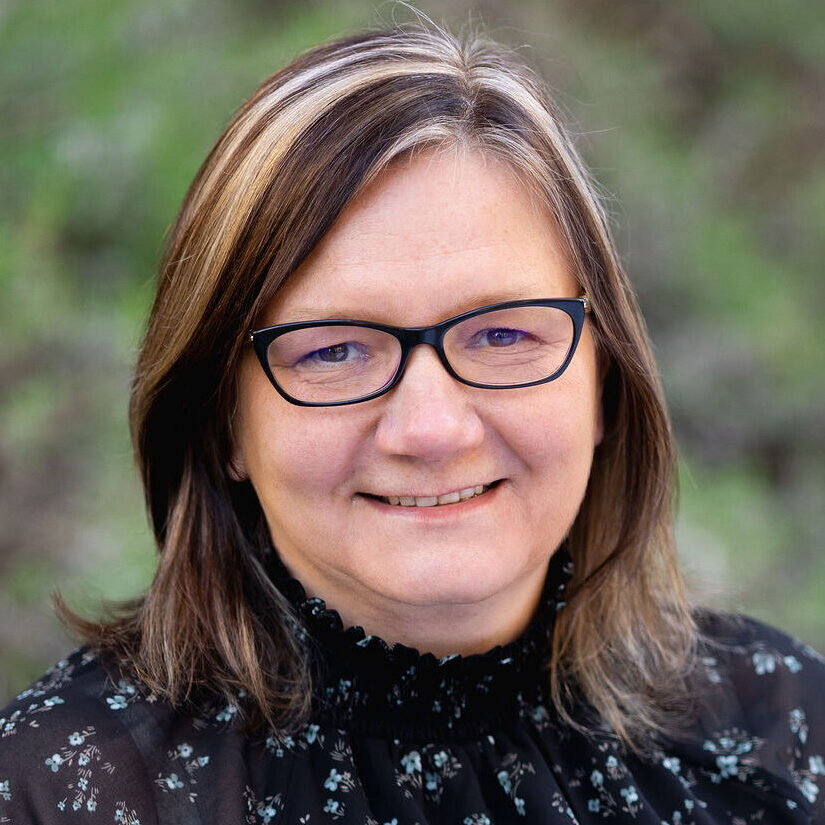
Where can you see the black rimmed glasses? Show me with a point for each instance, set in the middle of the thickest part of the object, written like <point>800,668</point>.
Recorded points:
<point>498,347</point>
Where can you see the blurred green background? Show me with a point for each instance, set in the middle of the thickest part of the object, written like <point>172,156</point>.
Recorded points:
<point>703,121</point>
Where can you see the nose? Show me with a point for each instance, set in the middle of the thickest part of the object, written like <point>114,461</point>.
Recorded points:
<point>428,415</point>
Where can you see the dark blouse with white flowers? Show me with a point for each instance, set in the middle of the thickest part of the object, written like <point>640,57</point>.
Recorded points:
<point>398,738</point>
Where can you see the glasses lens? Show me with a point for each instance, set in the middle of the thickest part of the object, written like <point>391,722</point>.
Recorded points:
<point>329,364</point>
<point>502,347</point>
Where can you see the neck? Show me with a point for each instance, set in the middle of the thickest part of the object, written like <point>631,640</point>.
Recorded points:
<point>442,628</point>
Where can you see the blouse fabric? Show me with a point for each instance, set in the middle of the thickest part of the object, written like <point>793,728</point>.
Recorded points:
<point>400,738</point>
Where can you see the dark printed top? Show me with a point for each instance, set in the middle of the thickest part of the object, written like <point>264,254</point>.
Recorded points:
<point>398,738</point>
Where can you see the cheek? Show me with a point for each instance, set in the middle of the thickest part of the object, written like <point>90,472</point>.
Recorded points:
<point>555,445</point>
<point>296,456</point>
<point>560,423</point>
<point>315,459</point>
<point>561,453</point>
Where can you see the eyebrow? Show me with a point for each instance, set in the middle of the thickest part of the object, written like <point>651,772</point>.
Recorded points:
<point>302,313</point>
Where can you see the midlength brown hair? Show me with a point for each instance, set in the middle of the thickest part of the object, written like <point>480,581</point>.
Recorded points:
<point>298,151</point>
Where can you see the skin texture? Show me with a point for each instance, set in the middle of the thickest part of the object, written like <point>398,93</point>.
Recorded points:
<point>433,236</point>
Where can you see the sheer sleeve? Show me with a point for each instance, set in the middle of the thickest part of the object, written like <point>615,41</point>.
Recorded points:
<point>779,687</point>
<point>65,749</point>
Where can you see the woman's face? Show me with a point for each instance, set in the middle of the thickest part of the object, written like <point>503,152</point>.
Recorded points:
<point>432,237</point>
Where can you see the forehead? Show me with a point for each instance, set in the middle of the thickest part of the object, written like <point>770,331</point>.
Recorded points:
<point>434,235</point>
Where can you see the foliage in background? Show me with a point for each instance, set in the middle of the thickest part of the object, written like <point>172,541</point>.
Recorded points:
<point>703,122</point>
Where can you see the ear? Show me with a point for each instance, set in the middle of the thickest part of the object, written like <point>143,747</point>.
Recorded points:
<point>236,466</point>
<point>599,432</point>
<point>603,363</point>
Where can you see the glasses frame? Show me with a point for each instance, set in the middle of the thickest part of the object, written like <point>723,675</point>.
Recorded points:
<point>411,337</point>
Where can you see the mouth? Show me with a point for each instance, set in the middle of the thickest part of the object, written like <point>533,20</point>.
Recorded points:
<point>443,500</point>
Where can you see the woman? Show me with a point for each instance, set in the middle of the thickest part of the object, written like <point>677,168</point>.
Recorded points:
<point>410,473</point>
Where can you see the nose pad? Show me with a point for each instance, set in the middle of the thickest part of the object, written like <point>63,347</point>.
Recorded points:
<point>428,414</point>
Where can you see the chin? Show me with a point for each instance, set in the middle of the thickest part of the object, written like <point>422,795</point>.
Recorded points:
<point>449,584</point>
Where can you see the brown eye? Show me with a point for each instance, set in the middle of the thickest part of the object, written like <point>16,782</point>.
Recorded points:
<point>334,354</point>
<point>498,337</point>
<point>343,353</point>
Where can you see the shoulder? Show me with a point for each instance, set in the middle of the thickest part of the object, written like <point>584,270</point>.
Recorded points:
<point>88,739</point>
<point>759,660</point>
<point>65,746</point>
<point>765,701</point>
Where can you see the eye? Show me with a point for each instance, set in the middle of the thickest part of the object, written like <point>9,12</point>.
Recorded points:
<point>498,337</point>
<point>341,353</point>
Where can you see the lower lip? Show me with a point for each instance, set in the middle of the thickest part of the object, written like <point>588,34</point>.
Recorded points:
<point>439,512</point>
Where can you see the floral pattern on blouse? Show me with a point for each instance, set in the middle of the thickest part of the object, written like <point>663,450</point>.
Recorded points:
<point>399,738</point>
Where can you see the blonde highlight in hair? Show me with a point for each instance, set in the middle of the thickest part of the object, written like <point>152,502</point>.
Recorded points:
<point>299,150</point>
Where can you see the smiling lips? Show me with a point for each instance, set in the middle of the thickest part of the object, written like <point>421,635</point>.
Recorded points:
<point>436,501</point>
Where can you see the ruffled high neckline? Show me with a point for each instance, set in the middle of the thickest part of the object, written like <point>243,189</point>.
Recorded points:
<point>363,684</point>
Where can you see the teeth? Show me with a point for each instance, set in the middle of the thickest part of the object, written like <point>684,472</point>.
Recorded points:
<point>426,501</point>
<point>433,501</point>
